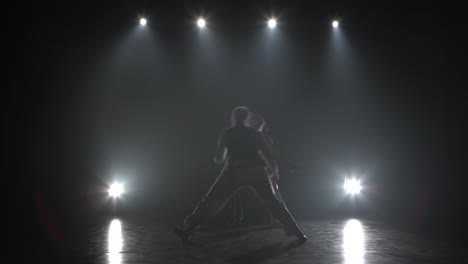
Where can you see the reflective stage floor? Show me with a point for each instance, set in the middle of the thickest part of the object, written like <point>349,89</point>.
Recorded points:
<point>351,241</point>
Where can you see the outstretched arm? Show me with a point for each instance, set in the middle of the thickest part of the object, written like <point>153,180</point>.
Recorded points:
<point>221,151</point>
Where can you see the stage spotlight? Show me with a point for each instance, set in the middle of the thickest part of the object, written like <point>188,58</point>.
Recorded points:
<point>352,186</point>
<point>116,190</point>
<point>272,23</point>
<point>201,23</point>
<point>335,24</point>
<point>143,21</point>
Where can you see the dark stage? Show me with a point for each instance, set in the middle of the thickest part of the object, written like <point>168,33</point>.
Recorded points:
<point>351,241</point>
<point>120,111</point>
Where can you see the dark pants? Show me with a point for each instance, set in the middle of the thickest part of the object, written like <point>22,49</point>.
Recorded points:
<point>234,177</point>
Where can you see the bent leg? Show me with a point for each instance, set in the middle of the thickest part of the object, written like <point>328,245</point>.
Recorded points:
<point>215,199</point>
<point>265,189</point>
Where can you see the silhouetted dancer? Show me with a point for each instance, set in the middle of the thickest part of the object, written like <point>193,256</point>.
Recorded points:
<point>242,148</point>
<point>243,199</point>
<point>258,123</point>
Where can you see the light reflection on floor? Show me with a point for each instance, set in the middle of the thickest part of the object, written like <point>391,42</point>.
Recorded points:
<point>145,240</point>
<point>353,242</point>
<point>115,242</point>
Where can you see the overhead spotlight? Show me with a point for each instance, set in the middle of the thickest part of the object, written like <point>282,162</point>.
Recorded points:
<point>272,23</point>
<point>116,190</point>
<point>335,24</point>
<point>143,21</point>
<point>201,22</point>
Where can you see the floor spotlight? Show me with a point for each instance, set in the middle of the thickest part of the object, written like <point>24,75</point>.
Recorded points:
<point>352,186</point>
<point>201,23</point>
<point>143,21</point>
<point>272,23</point>
<point>116,190</point>
<point>335,24</point>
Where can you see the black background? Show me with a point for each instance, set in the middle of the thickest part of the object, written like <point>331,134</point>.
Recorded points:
<point>92,95</point>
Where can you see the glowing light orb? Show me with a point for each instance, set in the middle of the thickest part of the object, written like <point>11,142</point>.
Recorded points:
<point>116,190</point>
<point>272,23</point>
<point>201,23</point>
<point>352,186</point>
<point>335,24</point>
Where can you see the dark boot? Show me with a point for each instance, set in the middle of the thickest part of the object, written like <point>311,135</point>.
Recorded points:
<point>185,230</point>
<point>290,225</point>
<point>182,233</point>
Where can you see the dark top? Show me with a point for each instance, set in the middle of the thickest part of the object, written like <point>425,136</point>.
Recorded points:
<point>242,143</point>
